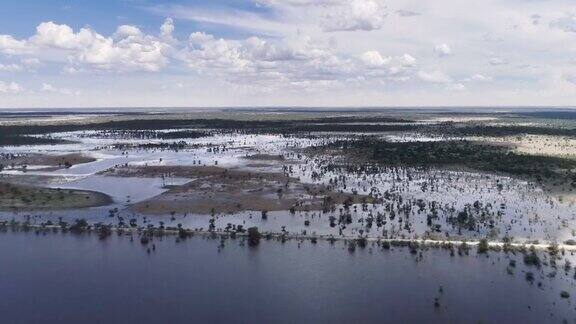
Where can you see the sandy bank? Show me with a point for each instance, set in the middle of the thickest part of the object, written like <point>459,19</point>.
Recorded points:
<point>45,162</point>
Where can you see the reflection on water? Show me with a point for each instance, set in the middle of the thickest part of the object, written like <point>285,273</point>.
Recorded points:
<point>69,278</point>
<point>521,210</point>
<point>124,190</point>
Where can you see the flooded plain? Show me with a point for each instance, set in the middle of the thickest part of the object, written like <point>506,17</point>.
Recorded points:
<point>509,207</point>
<point>361,216</point>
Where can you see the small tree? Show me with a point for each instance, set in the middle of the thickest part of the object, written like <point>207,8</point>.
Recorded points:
<point>79,226</point>
<point>253,236</point>
<point>531,258</point>
<point>483,246</point>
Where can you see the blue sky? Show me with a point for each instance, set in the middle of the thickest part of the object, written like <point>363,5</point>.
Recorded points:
<point>19,17</point>
<point>287,52</point>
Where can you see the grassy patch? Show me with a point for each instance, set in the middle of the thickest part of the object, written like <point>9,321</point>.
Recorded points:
<point>20,198</point>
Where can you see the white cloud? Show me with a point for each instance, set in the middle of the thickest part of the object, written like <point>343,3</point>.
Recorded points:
<point>434,76</point>
<point>131,50</point>
<point>72,70</point>
<point>374,59</point>
<point>480,78</point>
<point>9,45</point>
<point>384,69</point>
<point>10,88</point>
<point>336,51</point>
<point>31,62</point>
<point>25,64</point>
<point>261,50</point>
<point>167,29</point>
<point>126,31</point>
<point>197,38</point>
<point>260,61</point>
<point>50,34</point>
<point>10,67</point>
<point>408,60</point>
<point>127,50</point>
<point>47,87</point>
<point>442,50</point>
<point>456,87</point>
<point>356,15</point>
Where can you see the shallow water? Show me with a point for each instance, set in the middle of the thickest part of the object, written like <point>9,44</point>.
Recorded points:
<point>68,278</point>
<point>529,213</point>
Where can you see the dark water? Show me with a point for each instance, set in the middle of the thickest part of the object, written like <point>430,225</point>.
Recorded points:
<point>67,278</point>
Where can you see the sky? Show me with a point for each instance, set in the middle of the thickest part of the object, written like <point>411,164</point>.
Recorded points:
<point>331,53</point>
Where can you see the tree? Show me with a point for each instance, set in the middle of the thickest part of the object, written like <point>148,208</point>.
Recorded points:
<point>531,258</point>
<point>253,236</point>
<point>483,246</point>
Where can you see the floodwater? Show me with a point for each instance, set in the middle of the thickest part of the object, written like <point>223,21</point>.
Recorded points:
<point>53,278</point>
<point>522,211</point>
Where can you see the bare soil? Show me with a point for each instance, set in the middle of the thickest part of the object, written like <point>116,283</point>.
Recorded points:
<point>215,190</point>
<point>50,162</point>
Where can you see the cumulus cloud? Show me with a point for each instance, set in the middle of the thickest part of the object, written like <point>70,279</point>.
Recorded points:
<point>351,46</point>
<point>297,63</point>
<point>11,46</point>
<point>53,35</point>
<point>374,67</point>
<point>374,59</point>
<point>254,60</point>
<point>125,31</point>
<point>127,49</point>
<point>198,38</point>
<point>356,15</point>
<point>442,50</point>
<point>167,29</point>
<point>10,88</point>
<point>25,64</point>
<point>407,60</point>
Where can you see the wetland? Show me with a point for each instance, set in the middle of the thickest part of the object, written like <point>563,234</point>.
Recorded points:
<point>334,216</point>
